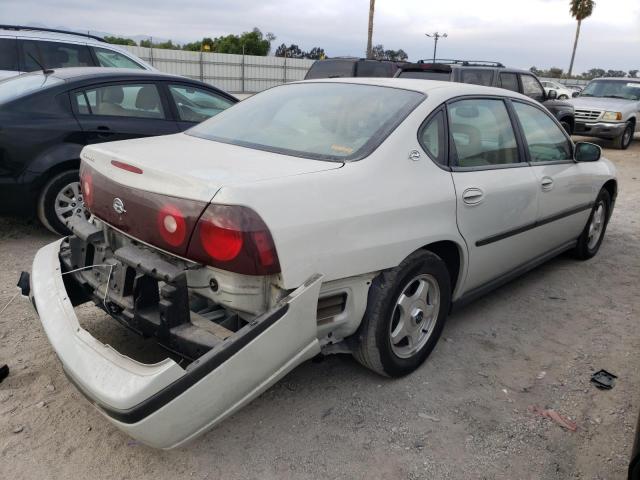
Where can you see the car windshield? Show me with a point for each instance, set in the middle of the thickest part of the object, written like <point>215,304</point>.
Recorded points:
<point>16,87</point>
<point>613,89</point>
<point>323,121</point>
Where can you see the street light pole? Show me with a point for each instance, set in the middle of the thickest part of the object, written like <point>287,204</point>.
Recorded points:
<point>436,36</point>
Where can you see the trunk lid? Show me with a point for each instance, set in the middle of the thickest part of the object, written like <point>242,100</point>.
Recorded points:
<point>135,185</point>
<point>192,168</point>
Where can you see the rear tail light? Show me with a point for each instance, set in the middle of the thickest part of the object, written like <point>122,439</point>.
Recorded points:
<point>86,186</point>
<point>234,238</point>
<point>172,225</point>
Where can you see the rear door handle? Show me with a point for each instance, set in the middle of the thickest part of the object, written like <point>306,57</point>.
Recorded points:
<point>472,196</point>
<point>546,183</point>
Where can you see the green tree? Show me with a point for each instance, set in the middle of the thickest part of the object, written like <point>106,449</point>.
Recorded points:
<point>378,52</point>
<point>554,72</point>
<point>205,45</point>
<point>168,45</point>
<point>255,43</point>
<point>616,73</point>
<point>536,72</point>
<point>120,41</point>
<point>593,73</point>
<point>633,73</point>
<point>316,53</point>
<point>579,9</point>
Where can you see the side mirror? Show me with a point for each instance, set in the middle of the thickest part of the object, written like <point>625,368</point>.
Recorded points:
<point>552,95</point>
<point>587,152</point>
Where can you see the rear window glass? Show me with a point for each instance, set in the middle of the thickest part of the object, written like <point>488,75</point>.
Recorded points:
<point>16,87</point>
<point>324,121</point>
<point>375,69</point>
<point>331,68</point>
<point>8,54</point>
<point>425,75</point>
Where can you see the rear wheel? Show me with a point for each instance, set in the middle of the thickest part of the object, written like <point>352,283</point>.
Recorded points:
<point>563,97</point>
<point>625,138</point>
<point>60,199</point>
<point>406,312</point>
<point>591,238</point>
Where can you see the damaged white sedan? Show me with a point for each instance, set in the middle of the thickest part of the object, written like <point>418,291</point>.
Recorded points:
<point>321,216</point>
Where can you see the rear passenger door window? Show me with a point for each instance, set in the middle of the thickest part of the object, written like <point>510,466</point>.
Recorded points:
<point>531,87</point>
<point>120,111</point>
<point>509,81</point>
<point>126,100</point>
<point>432,138</point>
<point>546,141</point>
<point>111,58</point>
<point>54,55</point>
<point>482,133</point>
<point>9,54</point>
<point>477,76</point>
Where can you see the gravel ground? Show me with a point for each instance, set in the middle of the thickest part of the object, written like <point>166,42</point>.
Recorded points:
<point>464,415</point>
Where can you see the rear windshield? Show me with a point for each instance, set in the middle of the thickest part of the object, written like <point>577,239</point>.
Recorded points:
<point>331,69</point>
<point>375,69</point>
<point>322,121</point>
<point>425,75</point>
<point>16,87</point>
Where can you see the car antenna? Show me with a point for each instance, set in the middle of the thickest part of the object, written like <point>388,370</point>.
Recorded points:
<point>46,71</point>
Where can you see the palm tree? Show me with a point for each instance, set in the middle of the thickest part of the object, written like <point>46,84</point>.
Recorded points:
<point>580,9</point>
<point>372,4</point>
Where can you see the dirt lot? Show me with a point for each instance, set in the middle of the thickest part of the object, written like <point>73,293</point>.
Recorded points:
<point>463,415</point>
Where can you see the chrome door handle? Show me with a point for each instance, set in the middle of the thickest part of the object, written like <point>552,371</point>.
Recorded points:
<point>472,196</point>
<point>546,183</point>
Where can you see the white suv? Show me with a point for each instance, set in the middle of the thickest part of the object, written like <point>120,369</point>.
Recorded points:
<point>342,215</point>
<point>27,49</point>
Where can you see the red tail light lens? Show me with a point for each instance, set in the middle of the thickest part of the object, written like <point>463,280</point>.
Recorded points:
<point>236,239</point>
<point>172,225</point>
<point>86,186</point>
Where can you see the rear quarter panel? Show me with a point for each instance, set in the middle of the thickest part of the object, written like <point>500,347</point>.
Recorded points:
<point>366,216</point>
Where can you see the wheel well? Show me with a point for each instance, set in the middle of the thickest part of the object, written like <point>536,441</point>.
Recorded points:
<point>449,252</point>
<point>56,169</point>
<point>612,187</point>
<point>632,121</point>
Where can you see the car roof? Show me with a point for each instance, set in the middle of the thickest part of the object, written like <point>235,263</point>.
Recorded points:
<point>423,86</point>
<point>80,74</point>
<point>619,79</point>
<point>47,34</point>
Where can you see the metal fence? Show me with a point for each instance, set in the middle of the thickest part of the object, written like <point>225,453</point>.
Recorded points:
<point>233,73</point>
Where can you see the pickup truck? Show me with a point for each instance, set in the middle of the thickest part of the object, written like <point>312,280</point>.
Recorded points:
<point>609,108</point>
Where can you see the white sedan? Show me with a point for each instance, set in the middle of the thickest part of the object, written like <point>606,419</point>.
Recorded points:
<point>329,216</point>
<point>562,92</point>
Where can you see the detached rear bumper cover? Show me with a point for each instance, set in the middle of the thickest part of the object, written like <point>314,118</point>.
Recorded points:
<point>164,405</point>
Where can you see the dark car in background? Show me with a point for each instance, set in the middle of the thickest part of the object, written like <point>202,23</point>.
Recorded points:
<point>491,74</point>
<point>352,67</point>
<point>46,118</point>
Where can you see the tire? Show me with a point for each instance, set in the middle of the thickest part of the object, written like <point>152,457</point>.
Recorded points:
<point>63,191</point>
<point>567,126</point>
<point>563,97</point>
<point>374,346</point>
<point>623,141</point>
<point>588,245</point>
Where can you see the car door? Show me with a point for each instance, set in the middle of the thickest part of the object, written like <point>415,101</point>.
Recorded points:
<point>122,110</point>
<point>194,104</point>
<point>566,191</point>
<point>496,189</point>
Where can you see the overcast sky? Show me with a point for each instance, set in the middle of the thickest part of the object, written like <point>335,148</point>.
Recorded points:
<point>520,33</point>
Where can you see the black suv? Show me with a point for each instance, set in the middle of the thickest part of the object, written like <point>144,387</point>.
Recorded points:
<point>491,74</point>
<point>46,118</point>
<point>352,67</point>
